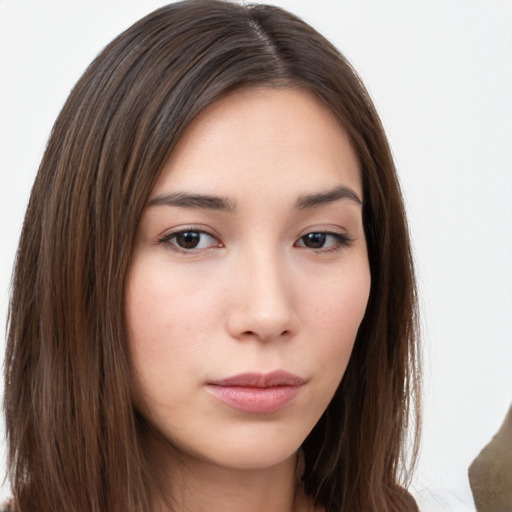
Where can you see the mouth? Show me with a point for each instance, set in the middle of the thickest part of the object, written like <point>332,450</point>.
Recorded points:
<point>257,393</point>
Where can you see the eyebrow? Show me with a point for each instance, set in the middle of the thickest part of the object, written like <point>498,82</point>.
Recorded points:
<point>209,202</point>
<point>329,196</point>
<point>200,201</point>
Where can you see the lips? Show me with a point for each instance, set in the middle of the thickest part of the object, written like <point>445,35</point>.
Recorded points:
<point>256,392</point>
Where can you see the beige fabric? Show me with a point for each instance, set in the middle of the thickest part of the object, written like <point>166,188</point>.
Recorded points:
<point>490,474</point>
<point>7,507</point>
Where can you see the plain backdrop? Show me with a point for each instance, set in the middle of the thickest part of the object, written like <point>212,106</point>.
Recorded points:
<point>440,73</point>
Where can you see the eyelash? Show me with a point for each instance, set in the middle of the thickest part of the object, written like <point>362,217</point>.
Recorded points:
<point>171,237</point>
<point>340,241</point>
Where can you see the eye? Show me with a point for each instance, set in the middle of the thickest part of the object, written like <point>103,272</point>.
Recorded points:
<point>320,240</point>
<point>190,240</point>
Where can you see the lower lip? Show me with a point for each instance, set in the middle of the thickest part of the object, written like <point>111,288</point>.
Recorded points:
<point>253,399</point>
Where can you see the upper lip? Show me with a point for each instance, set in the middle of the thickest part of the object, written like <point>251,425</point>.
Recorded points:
<point>261,380</point>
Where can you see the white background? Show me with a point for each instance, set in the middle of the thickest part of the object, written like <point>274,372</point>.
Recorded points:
<point>440,73</point>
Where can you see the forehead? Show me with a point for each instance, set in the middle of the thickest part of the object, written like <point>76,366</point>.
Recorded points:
<point>255,137</point>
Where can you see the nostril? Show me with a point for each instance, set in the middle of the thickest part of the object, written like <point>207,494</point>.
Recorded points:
<point>263,336</point>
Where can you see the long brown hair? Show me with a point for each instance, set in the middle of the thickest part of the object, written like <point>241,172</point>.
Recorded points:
<point>74,438</point>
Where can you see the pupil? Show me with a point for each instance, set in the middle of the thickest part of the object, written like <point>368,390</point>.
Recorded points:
<point>315,240</point>
<point>188,240</point>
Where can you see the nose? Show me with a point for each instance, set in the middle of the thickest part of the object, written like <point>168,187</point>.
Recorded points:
<point>262,306</point>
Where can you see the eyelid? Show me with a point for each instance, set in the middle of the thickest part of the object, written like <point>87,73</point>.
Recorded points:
<point>169,235</point>
<point>342,240</point>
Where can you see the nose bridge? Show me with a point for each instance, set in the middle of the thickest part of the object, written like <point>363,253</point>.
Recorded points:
<point>263,302</point>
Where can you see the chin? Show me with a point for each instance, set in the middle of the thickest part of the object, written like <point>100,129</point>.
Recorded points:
<point>256,457</point>
<point>247,446</point>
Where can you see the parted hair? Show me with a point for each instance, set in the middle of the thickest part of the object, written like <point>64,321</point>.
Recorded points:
<point>74,437</point>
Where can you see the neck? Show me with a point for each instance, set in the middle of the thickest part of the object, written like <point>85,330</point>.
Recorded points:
<point>193,485</point>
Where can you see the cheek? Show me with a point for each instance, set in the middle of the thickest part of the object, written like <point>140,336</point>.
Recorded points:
<point>338,306</point>
<point>169,337</point>
<point>158,317</point>
<point>153,311</point>
<point>334,314</point>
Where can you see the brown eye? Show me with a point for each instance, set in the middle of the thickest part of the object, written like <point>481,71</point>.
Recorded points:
<point>314,240</point>
<point>326,241</point>
<point>190,240</point>
<point>187,239</point>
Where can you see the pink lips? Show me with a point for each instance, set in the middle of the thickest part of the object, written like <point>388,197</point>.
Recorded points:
<point>256,392</point>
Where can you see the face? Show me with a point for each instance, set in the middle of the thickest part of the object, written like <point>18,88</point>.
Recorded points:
<point>249,279</point>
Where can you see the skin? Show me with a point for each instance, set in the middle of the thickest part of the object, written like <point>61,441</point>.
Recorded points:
<point>255,294</point>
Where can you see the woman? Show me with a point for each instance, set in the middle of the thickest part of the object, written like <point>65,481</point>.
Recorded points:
<point>213,304</point>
